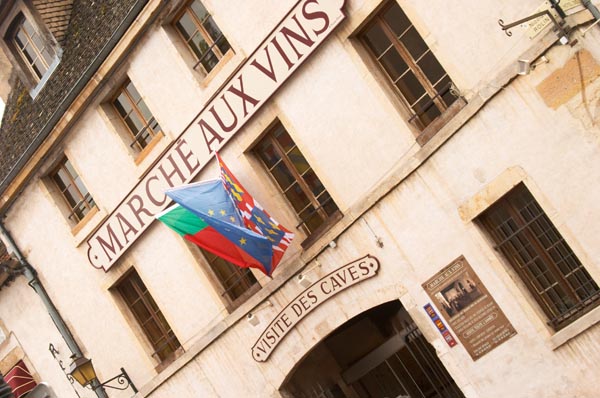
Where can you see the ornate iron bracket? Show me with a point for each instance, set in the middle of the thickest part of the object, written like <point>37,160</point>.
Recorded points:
<point>123,380</point>
<point>560,28</point>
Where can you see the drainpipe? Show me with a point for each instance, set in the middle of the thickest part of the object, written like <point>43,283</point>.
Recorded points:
<point>32,280</point>
<point>592,8</point>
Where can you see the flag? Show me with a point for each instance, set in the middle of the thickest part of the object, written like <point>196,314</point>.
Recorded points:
<point>255,217</point>
<point>206,216</point>
<point>208,197</point>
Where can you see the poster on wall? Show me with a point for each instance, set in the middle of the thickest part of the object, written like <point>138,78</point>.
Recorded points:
<point>473,314</point>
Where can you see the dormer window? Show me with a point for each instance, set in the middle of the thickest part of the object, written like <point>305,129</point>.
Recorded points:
<point>36,53</point>
<point>30,46</point>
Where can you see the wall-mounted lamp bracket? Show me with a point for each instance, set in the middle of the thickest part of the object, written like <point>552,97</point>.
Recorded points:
<point>559,27</point>
<point>123,380</point>
<point>82,370</point>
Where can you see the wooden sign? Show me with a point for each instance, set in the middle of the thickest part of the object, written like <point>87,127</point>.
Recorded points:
<point>320,291</point>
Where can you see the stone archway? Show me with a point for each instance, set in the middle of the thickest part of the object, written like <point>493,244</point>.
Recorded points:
<point>379,353</point>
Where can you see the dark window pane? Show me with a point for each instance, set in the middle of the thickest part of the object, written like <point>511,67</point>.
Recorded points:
<point>377,40</point>
<point>223,45</point>
<point>396,19</point>
<point>427,110</point>
<point>410,87</point>
<point>284,139</point>
<point>267,153</point>
<point>282,175</point>
<point>297,197</point>
<point>210,61</point>
<point>141,311</point>
<point>314,183</point>
<point>312,219</point>
<point>414,43</point>
<point>393,63</point>
<point>431,67</point>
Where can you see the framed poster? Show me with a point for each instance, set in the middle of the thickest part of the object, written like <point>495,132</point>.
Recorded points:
<point>470,310</point>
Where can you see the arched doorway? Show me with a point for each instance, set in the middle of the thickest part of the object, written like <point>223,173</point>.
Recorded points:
<point>378,354</point>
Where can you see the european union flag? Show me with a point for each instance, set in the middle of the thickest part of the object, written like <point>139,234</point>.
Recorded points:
<point>223,225</point>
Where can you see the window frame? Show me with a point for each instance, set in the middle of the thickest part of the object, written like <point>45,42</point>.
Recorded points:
<point>22,9</point>
<point>210,41</point>
<point>423,132</point>
<point>71,215</point>
<point>134,145</point>
<point>18,25</point>
<point>556,319</point>
<point>326,219</point>
<point>155,315</point>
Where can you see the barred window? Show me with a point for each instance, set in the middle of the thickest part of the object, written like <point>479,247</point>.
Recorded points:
<point>73,191</point>
<point>148,315</point>
<point>524,234</point>
<point>296,179</point>
<point>202,35</point>
<point>136,116</point>
<point>412,68</point>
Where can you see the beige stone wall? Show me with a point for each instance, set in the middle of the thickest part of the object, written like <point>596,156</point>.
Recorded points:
<point>5,73</point>
<point>420,201</point>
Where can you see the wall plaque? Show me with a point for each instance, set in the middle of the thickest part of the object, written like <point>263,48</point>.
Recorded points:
<point>479,324</point>
<point>325,288</point>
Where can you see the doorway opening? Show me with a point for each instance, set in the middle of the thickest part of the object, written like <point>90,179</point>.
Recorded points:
<point>378,354</point>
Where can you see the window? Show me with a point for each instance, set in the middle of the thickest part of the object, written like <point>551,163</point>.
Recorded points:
<point>238,283</point>
<point>296,179</point>
<point>202,35</point>
<point>524,234</point>
<point>417,76</point>
<point>73,191</point>
<point>148,315</point>
<point>34,50</point>
<point>136,116</point>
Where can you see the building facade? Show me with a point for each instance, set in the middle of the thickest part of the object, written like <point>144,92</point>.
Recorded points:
<point>436,163</point>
